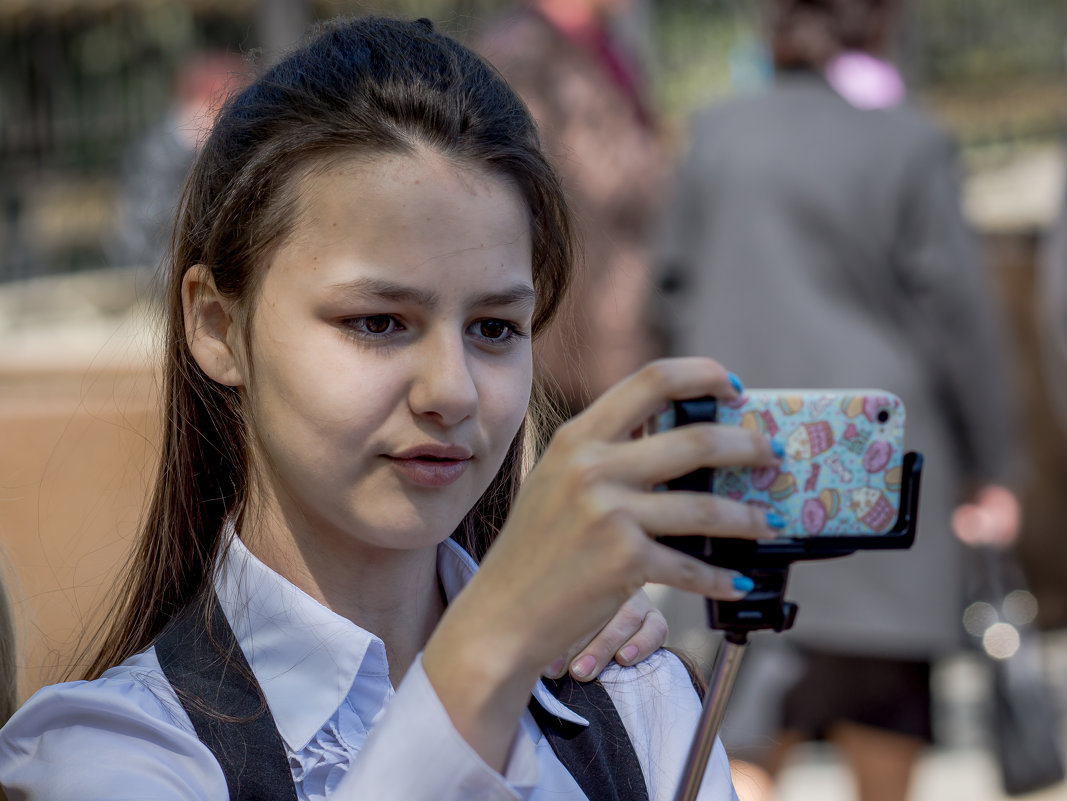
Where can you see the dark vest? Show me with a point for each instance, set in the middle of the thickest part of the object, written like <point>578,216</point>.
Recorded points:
<point>214,682</point>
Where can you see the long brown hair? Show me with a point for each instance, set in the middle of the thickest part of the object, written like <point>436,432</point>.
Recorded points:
<point>358,87</point>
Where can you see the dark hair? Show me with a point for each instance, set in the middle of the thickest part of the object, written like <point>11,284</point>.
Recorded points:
<point>808,33</point>
<point>360,87</point>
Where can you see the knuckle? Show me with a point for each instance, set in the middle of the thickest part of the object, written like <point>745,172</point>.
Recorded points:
<point>657,625</point>
<point>656,373</point>
<point>628,620</point>
<point>690,573</point>
<point>710,514</point>
<point>706,438</point>
<point>586,470</point>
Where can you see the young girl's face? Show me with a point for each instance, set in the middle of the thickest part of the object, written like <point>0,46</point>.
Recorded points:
<point>390,351</point>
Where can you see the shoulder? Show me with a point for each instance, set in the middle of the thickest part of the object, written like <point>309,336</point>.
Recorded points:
<point>660,709</point>
<point>660,681</point>
<point>97,729</point>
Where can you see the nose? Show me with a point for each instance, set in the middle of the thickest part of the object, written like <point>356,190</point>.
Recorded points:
<point>444,388</point>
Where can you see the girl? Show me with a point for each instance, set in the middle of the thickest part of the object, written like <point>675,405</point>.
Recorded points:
<point>368,242</point>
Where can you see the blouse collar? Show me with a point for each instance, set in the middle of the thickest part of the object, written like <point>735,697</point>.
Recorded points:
<point>286,636</point>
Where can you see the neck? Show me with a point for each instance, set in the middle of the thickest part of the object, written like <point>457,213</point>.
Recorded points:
<point>394,594</point>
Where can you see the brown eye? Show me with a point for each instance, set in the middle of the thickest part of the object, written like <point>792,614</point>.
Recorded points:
<point>378,324</point>
<point>494,329</point>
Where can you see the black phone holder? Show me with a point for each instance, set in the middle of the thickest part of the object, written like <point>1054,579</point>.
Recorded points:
<point>767,563</point>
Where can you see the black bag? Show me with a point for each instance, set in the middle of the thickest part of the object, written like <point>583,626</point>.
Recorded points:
<point>1024,717</point>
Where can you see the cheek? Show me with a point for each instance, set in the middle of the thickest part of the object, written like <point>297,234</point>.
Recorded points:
<point>507,399</point>
<point>311,387</point>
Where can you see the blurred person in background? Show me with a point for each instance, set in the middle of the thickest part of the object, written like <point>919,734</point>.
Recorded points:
<point>586,91</point>
<point>1051,303</point>
<point>815,239</point>
<point>154,170</point>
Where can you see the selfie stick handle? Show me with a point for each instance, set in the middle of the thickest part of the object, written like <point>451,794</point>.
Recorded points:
<point>720,685</point>
<point>762,608</point>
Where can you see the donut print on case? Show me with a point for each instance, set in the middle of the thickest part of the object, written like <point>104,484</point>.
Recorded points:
<point>843,459</point>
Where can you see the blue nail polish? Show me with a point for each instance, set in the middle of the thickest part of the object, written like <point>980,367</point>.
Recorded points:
<point>778,448</point>
<point>775,520</point>
<point>736,383</point>
<point>743,584</point>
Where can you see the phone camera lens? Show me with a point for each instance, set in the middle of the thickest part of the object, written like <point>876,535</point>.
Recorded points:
<point>883,415</point>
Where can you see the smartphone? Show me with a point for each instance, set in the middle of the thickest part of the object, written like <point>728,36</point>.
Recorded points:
<point>845,479</point>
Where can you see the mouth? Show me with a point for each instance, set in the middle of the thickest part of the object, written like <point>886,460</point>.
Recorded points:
<point>434,452</point>
<point>431,465</point>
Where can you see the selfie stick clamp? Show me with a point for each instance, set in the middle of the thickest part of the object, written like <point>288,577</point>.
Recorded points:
<point>765,608</point>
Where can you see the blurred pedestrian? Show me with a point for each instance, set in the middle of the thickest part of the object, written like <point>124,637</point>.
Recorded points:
<point>815,239</point>
<point>587,93</point>
<point>154,170</point>
<point>1051,303</point>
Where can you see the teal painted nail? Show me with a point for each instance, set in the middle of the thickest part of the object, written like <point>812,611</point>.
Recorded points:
<point>743,584</point>
<point>736,382</point>
<point>778,448</point>
<point>775,520</point>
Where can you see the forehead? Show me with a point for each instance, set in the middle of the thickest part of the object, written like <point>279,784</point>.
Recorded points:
<point>406,216</point>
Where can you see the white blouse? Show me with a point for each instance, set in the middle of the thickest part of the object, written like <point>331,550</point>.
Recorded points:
<point>349,735</point>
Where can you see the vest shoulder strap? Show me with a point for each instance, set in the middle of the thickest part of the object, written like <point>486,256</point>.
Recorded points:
<point>204,664</point>
<point>600,756</point>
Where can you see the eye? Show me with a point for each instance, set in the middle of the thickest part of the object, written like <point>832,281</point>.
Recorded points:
<point>374,325</point>
<point>494,329</point>
<point>378,324</point>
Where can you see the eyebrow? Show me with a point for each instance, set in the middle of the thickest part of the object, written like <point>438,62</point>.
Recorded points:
<point>514,295</point>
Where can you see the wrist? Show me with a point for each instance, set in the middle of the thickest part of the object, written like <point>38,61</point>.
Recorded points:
<point>481,679</point>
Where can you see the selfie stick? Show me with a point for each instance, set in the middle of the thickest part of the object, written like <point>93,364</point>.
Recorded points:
<point>765,608</point>
<point>762,608</point>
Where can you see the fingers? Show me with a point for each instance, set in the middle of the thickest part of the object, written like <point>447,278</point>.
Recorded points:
<point>630,403</point>
<point>679,513</point>
<point>653,460</point>
<point>632,635</point>
<point>664,565</point>
<point>650,638</point>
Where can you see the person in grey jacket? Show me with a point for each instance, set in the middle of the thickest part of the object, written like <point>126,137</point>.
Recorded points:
<point>815,240</point>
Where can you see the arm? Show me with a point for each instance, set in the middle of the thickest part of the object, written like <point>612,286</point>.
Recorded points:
<point>110,739</point>
<point>578,544</point>
<point>955,319</point>
<point>958,317</point>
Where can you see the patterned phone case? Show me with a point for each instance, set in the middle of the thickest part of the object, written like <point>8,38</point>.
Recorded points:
<point>843,462</point>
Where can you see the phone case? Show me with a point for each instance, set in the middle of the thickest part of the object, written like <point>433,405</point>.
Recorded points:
<point>843,465</point>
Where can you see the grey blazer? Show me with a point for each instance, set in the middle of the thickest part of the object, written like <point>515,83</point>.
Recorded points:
<point>812,244</point>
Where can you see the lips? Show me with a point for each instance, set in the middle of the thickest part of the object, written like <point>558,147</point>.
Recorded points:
<point>431,464</point>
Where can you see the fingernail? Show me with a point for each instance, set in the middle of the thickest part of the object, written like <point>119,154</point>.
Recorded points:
<point>556,668</point>
<point>584,667</point>
<point>628,654</point>
<point>736,383</point>
<point>777,448</point>
<point>775,520</point>
<point>743,584</point>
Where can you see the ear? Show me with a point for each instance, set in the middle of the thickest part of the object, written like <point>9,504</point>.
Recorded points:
<point>210,328</point>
